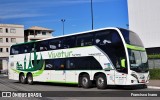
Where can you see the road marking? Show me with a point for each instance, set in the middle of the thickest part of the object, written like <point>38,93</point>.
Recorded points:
<point>153,87</point>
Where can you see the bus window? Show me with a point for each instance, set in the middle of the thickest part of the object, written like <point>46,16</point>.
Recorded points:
<point>42,46</point>
<point>103,38</point>
<point>59,64</point>
<point>32,47</point>
<point>70,64</point>
<point>85,40</point>
<point>25,48</point>
<point>55,44</point>
<point>15,50</point>
<point>49,64</point>
<point>82,63</point>
<point>110,42</point>
<point>69,42</point>
<point>94,64</point>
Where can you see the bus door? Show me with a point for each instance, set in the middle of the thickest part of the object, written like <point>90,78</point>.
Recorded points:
<point>121,72</point>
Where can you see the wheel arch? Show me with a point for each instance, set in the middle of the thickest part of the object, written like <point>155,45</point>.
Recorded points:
<point>21,73</point>
<point>29,73</point>
<point>80,76</point>
<point>98,73</point>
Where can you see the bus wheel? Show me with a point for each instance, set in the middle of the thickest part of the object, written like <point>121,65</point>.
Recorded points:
<point>101,81</point>
<point>22,79</point>
<point>85,81</point>
<point>29,79</point>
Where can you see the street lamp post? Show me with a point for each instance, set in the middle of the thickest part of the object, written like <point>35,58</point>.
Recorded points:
<point>63,20</point>
<point>92,13</point>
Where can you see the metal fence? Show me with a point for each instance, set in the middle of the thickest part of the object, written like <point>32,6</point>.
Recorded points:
<point>154,63</point>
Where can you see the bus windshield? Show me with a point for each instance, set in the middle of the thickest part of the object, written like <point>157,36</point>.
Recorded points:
<point>138,60</point>
<point>131,38</point>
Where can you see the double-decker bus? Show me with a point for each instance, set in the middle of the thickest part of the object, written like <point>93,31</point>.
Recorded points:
<point>107,56</point>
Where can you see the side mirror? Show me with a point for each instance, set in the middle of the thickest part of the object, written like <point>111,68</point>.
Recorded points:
<point>123,63</point>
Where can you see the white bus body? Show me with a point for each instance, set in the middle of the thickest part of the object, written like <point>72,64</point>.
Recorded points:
<point>73,65</point>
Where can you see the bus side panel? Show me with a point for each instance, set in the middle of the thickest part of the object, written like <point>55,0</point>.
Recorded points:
<point>12,72</point>
<point>45,76</point>
<point>71,76</point>
<point>108,69</point>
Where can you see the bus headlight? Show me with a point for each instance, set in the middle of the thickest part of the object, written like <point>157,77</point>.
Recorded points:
<point>142,77</point>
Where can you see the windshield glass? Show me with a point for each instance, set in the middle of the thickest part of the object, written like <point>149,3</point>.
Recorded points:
<point>138,60</point>
<point>131,38</point>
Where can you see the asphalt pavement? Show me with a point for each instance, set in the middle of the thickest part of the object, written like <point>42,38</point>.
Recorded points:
<point>155,84</point>
<point>7,85</point>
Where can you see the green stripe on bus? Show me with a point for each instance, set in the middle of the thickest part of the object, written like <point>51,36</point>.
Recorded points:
<point>24,43</point>
<point>135,47</point>
<point>39,72</point>
<point>17,71</point>
<point>51,81</point>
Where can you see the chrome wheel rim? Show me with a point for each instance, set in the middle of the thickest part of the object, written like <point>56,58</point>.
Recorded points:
<point>84,81</point>
<point>29,79</point>
<point>100,81</point>
<point>22,78</point>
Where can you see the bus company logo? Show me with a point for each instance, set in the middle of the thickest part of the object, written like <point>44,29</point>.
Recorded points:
<point>6,94</point>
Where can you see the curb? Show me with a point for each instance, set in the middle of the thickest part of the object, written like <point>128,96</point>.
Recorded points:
<point>153,87</point>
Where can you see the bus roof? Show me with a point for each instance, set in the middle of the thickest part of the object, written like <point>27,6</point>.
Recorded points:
<point>95,30</point>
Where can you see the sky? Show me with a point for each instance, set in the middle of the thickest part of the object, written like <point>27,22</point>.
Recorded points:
<point>77,14</point>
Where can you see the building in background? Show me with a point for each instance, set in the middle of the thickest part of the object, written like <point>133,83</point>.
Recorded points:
<point>144,19</point>
<point>9,34</point>
<point>37,33</point>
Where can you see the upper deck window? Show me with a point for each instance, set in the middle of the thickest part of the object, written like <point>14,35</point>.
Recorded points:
<point>131,38</point>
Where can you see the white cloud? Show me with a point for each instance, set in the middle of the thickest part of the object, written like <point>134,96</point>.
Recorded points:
<point>23,15</point>
<point>32,8</point>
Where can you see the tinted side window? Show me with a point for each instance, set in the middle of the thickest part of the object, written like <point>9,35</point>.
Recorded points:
<point>15,50</point>
<point>55,44</point>
<point>84,63</point>
<point>59,64</point>
<point>108,42</point>
<point>55,64</point>
<point>85,40</point>
<point>69,42</point>
<point>103,38</point>
<point>49,64</point>
<point>131,37</point>
<point>32,47</point>
<point>95,65</point>
<point>25,48</point>
<point>71,64</point>
<point>111,43</point>
<point>42,46</point>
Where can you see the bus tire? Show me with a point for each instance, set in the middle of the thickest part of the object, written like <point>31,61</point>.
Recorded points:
<point>30,79</point>
<point>101,81</point>
<point>85,81</point>
<point>22,79</point>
